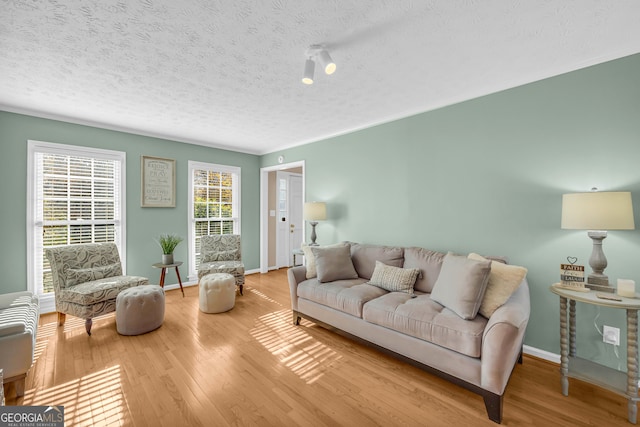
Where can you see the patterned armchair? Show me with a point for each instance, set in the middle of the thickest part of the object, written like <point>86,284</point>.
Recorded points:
<point>221,254</point>
<point>87,278</point>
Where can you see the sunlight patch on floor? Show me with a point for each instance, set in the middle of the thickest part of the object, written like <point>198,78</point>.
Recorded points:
<point>261,295</point>
<point>296,349</point>
<point>95,399</point>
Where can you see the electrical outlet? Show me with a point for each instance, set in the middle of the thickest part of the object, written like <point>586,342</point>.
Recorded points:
<point>611,335</point>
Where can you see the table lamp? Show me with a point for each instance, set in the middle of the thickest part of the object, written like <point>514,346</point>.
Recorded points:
<point>314,212</point>
<point>597,212</point>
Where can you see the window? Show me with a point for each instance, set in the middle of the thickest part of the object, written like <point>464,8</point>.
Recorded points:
<point>214,205</point>
<point>75,195</point>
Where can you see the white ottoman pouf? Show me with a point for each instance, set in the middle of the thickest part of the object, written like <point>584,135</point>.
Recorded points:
<point>139,309</point>
<point>217,292</point>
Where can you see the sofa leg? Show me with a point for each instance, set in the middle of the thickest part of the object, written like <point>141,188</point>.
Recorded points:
<point>241,286</point>
<point>296,318</point>
<point>87,324</point>
<point>520,361</point>
<point>61,318</point>
<point>493,403</point>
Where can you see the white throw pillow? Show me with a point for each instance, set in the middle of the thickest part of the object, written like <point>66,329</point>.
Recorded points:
<point>504,279</point>
<point>394,279</point>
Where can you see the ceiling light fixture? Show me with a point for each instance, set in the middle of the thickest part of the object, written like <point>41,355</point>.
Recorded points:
<point>317,53</point>
<point>327,62</point>
<point>309,67</point>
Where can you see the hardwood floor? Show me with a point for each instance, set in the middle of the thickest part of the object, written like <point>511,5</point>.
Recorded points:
<point>251,366</point>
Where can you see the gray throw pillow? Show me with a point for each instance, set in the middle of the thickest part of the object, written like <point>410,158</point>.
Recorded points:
<point>461,285</point>
<point>310,260</point>
<point>394,279</point>
<point>333,263</point>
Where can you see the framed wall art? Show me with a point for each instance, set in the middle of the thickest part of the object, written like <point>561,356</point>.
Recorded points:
<point>158,182</point>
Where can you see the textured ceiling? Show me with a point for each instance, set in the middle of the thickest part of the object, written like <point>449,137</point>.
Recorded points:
<point>227,73</point>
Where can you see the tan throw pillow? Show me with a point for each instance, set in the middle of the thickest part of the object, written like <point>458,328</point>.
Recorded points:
<point>394,279</point>
<point>333,263</point>
<point>461,285</point>
<point>310,259</point>
<point>504,279</point>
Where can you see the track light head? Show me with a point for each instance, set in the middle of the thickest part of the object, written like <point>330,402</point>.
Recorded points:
<point>327,62</point>
<point>309,68</point>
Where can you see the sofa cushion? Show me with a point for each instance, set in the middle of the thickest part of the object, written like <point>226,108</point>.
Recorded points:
<point>394,279</point>
<point>429,263</point>
<point>423,318</point>
<point>461,285</point>
<point>333,263</point>
<point>76,276</point>
<point>504,279</point>
<point>347,296</point>
<point>365,256</point>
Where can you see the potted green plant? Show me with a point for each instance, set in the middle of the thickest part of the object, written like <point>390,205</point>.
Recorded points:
<point>168,243</point>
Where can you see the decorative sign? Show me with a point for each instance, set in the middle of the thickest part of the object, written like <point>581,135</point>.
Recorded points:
<point>571,275</point>
<point>158,188</point>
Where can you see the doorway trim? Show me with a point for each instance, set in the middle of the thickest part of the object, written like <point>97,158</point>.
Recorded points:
<point>264,207</point>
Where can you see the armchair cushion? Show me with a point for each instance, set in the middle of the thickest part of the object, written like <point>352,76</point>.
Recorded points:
<point>231,255</point>
<point>99,290</point>
<point>76,276</point>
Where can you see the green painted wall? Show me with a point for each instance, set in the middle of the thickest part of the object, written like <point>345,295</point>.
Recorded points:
<point>487,175</point>
<point>143,224</point>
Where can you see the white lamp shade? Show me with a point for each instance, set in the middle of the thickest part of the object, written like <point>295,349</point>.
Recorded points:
<point>315,211</point>
<point>597,211</point>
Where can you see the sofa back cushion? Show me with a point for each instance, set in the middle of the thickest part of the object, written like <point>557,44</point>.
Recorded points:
<point>428,262</point>
<point>364,257</point>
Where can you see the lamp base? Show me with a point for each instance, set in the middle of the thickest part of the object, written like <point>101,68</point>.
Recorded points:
<point>597,280</point>
<point>599,287</point>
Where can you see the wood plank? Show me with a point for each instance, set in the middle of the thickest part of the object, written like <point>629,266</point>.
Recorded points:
<point>251,366</point>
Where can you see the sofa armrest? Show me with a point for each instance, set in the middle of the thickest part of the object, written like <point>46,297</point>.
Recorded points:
<point>17,298</point>
<point>502,339</point>
<point>11,328</point>
<point>296,275</point>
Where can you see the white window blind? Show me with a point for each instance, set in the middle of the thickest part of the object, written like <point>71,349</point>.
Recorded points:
<point>214,205</point>
<point>77,196</point>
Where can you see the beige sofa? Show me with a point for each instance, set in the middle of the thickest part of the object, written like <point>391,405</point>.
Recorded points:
<point>477,353</point>
<point>19,314</point>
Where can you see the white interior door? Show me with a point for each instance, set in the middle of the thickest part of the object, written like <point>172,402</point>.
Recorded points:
<point>296,235</point>
<point>289,233</point>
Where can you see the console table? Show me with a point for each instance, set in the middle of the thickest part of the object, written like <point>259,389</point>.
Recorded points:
<point>624,384</point>
<point>163,273</point>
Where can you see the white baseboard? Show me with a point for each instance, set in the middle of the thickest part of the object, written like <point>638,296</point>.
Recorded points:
<point>541,354</point>
<point>254,271</point>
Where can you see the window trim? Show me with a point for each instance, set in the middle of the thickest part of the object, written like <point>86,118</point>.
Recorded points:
<point>34,147</point>
<point>195,165</point>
